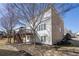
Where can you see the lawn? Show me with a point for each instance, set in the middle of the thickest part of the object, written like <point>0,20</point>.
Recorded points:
<point>8,53</point>
<point>39,50</point>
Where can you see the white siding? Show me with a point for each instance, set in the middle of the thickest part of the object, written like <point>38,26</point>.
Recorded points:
<point>46,32</point>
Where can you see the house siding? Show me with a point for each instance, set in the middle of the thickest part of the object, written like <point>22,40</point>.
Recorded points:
<point>46,32</point>
<point>54,28</point>
<point>57,27</point>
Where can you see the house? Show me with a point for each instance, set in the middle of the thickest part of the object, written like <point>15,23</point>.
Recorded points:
<point>2,34</point>
<point>49,31</point>
<point>20,35</point>
<point>77,33</point>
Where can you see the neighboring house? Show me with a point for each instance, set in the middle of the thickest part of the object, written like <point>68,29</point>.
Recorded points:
<point>2,34</point>
<point>50,31</point>
<point>69,32</point>
<point>24,33</point>
<point>77,33</point>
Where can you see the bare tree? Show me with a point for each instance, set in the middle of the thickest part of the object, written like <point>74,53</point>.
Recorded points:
<point>34,13</point>
<point>9,20</point>
<point>31,13</point>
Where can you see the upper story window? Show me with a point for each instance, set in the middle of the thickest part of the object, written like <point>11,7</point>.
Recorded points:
<point>41,27</point>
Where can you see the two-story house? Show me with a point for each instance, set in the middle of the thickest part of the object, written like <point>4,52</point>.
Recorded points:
<point>50,31</point>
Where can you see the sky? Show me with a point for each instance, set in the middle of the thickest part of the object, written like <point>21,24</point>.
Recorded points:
<point>71,19</point>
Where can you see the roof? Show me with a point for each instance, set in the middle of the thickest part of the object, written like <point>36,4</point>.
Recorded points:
<point>23,30</point>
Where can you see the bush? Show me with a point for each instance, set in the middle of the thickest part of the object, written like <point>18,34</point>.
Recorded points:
<point>65,40</point>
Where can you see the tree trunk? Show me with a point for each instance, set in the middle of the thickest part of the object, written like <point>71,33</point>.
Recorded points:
<point>8,38</point>
<point>34,39</point>
<point>25,38</point>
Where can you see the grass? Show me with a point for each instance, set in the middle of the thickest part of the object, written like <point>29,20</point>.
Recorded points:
<point>5,52</point>
<point>8,53</point>
<point>40,49</point>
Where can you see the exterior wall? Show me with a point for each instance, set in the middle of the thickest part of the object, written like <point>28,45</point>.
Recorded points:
<point>46,32</point>
<point>57,27</point>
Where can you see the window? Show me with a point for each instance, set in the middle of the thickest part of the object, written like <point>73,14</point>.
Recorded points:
<point>44,26</point>
<point>41,27</point>
<point>43,38</point>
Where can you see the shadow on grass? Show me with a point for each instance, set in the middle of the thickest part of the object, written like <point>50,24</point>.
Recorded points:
<point>12,53</point>
<point>8,53</point>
